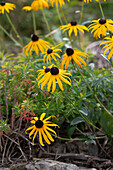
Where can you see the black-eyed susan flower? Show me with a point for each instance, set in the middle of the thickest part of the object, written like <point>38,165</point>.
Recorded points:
<point>51,52</point>
<point>60,2</point>
<point>36,44</point>
<point>41,129</point>
<point>37,4</point>
<point>4,6</point>
<point>53,76</point>
<point>71,55</point>
<point>73,26</point>
<point>87,1</point>
<point>109,46</point>
<point>100,27</point>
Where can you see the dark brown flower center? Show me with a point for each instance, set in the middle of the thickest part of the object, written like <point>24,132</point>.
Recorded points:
<point>49,51</point>
<point>2,3</point>
<point>34,37</point>
<point>54,70</point>
<point>39,124</point>
<point>73,23</point>
<point>47,70</point>
<point>102,21</point>
<point>69,51</point>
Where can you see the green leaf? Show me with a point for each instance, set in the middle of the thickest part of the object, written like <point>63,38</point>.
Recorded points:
<point>84,112</point>
<point>71,131</point>
<point>106,122</point>
<point>77,120</point>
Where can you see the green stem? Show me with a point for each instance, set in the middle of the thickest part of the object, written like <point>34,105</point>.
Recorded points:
<point>34,21</point>
<point>57,9</point>
<point>64,16</point>
<point>93,93</point>
<point>101,9</point>
<point>78,139</point>
<point>13,27</point>
<point>81,13</point>
<point>48,27</point>
<point>10,36</point>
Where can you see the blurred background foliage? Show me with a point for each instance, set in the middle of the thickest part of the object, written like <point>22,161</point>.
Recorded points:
<point>23,20</point>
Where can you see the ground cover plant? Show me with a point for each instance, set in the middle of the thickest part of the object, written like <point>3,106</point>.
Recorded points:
<point>51,82</point>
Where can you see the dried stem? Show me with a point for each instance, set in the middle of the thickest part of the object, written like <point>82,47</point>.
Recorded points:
<point>6,101</point>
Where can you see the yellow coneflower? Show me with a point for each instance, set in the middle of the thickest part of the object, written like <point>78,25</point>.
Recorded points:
<point>41,130</point>
<point>109,46</point>
<point>37,4</point>
<point>73,26</point>
<point>36,44</point>
<point>101,26</point>
<point>51,52</point>
<point>87,1</point>
<point>54,75</point>
<point>73,55</point>
<point>60,2</point>
<point>4,6</point>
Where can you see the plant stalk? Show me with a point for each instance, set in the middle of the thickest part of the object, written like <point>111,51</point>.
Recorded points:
<point>101,9</point>
<point>34,22</point>
<point>48,27</point>
<point>13,27</point>
<point>10,36</point>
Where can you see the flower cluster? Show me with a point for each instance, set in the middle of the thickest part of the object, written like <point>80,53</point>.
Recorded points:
<point>54,75</point>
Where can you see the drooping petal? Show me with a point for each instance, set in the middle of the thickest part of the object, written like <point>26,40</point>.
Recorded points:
<point>45,137</point>
<point>40,137</point>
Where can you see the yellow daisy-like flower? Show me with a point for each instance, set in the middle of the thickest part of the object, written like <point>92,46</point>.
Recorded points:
<point>73,55</point>
<point>109,46</point>
<point>37,4</point>
<point>4,6</point>
<point>61,2</point>
<point>73,26</point>
<point>36,44</point>
<point>54,75</point>
<point>51,52</point>
<point>87,1</point>
<point>41,129</point>
<point>100,27</point>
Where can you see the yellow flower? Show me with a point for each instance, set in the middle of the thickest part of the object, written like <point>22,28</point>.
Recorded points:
<point>36,44</point>
<point>73,26</point>
<point>41,129</point>
<point>27,8</point>
<point>109,46</point>
<point>36,4</point>
<point>73,55</point>
<point>87,1</point>
<point>51,52</point>
<point>54,75</point>
<point>100,27</point>
<point>61,2</point>
<point>4,6</point>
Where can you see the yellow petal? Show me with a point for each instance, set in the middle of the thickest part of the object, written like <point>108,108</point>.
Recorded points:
<point>42,116</point>
<point>40,138</point>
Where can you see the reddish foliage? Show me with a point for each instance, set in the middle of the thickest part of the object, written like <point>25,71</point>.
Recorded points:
<point>1,133</point>
<point>26,115</point>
